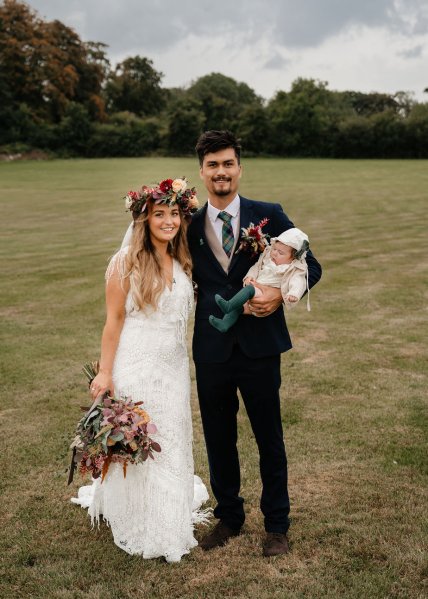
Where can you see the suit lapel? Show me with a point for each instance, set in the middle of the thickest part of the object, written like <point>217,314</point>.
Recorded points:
<point>204,241</point>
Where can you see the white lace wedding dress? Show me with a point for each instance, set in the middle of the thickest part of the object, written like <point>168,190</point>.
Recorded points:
<point>151,512</point>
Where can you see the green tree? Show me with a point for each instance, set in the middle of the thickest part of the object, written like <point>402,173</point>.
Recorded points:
<point>21,55</point>
<point>75,128</point>
<point>135,86</point>
<point>222,100</point>
<point>74,71</point>
<point>135,137</point>
<point>254,129</point>
<point>372,103</point>
<point>354,138</point>
<point>185,123</point>
<point>45,65</point>
<point>302,119</point>
<point>404,103</point>
<point>416,126</point>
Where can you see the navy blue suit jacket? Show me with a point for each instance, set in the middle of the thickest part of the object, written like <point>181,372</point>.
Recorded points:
<point>257,337</point>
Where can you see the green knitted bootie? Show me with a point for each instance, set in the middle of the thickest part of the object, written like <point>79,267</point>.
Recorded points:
<point>237,301</point>
<point>228,320</point>
<point>222,303</point>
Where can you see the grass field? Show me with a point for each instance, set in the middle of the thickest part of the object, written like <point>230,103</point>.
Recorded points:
<point>354,386</point>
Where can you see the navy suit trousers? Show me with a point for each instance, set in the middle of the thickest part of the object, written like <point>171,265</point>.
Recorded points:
<point>258,381</point>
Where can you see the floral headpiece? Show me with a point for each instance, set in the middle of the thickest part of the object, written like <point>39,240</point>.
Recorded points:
<point>169,192</point>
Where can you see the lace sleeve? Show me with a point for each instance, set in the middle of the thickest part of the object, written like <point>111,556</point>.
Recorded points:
<point>117,265</point>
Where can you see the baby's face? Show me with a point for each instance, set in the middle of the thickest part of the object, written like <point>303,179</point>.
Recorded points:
<point>281,253</point>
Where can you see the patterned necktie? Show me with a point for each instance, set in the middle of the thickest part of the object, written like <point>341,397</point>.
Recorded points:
<point>226,232</point>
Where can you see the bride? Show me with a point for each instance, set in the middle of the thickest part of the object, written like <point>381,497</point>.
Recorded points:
<point>149,297</point>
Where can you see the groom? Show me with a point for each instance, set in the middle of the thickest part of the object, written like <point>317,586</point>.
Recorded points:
<point>246,358</point>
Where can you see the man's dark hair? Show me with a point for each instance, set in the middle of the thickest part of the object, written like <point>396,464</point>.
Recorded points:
<point>214,141</point>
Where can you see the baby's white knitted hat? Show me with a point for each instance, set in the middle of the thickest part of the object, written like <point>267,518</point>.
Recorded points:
<point>296,239</point>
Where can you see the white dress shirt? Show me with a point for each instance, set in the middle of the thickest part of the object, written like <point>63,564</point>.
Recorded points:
<point>217,223</point>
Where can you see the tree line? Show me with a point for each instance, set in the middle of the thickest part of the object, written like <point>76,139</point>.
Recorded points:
<point>61,95</point>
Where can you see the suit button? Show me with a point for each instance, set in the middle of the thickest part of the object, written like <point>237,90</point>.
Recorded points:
<point>229,287</point>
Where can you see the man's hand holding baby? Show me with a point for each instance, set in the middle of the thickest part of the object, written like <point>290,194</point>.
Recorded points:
<point>267,303</point>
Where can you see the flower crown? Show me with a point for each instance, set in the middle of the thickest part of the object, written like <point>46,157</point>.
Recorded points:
<point>169,192</point>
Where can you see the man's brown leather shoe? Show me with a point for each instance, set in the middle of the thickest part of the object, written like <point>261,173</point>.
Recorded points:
<point>276,543</point>
<point>218,537</point>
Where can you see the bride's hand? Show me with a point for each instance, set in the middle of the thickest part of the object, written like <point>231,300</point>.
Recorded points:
<point>102,382</point>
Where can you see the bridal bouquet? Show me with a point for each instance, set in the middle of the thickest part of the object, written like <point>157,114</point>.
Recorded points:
<point>253,239</point>
<point>112,430</point>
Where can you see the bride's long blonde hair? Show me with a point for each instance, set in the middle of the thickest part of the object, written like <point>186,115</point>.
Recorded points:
<point>143,263</point>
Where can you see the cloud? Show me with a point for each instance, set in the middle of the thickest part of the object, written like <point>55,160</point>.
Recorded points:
<point>415,52</point>
<point>153,25</point>
<point>276,62</point>
<point>309,23</point>
<point>364,45</point>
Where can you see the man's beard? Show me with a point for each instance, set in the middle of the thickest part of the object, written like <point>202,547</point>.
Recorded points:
<point>222,192</point>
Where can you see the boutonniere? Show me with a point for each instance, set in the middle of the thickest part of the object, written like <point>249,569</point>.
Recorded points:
<point>252,239</point>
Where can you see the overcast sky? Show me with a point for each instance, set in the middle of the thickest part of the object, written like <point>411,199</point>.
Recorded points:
<point>365,45</point>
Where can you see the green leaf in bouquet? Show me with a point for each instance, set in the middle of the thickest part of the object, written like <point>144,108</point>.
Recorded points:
<point>104,442</point>
<point>92,415</point>
<point>117,437</point>
<point>93,406</point>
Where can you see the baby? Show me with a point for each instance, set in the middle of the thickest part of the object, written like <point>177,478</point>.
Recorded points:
<point>281,265</point>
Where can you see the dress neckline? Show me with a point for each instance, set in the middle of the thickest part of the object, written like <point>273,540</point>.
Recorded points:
<point>170,289</point>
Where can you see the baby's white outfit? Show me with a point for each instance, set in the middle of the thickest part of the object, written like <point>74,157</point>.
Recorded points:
<point>291,278</point>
